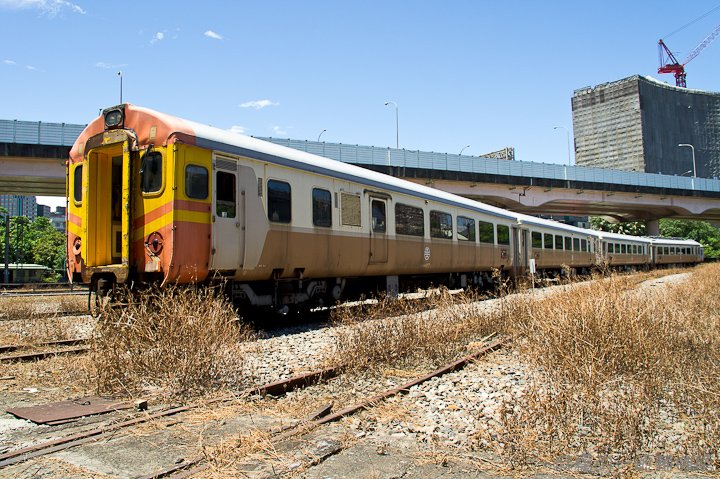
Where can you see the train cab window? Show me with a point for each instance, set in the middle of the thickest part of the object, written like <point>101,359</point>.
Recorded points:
<point>583,245</point>
<point>409,220</point>
<point>536,239</point>
<point>548,241</point>
<point>379,218</point>
<point>77,184</point>
<point>568,244</point>
<point>151,172</point>
<point>486,232</point>
<point>559,244</point>
<point>321,207</point>
<point>465,229</point>
<point>279,201</point>
<point>196,182</point>
<point>225,194</point>
<point>441,225</point>
<point>503,234</point>
<point>576,244</point>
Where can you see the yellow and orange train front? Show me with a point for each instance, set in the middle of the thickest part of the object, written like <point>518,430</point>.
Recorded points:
<point>138,202</point>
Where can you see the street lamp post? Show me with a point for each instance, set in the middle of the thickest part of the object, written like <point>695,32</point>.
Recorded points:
<point>120,75</point>
<point>463,149</point>
<point>7,248</point>
<point>567,133</point>
<point>321,135</point>
<point>397,124</point>
<point>692,148</point>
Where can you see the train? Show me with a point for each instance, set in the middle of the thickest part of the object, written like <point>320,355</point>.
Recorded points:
<point>156,199</point>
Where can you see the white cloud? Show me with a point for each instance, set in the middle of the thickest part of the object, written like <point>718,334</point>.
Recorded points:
<point>32,68</point>
<point>158,37</point>
<point>278,130</point>
<point>9,62</point>
<point>237,129</point>
<point>49,7</point>
<point>110,66</point>
<point>258,104</point>
<point>209,34</point>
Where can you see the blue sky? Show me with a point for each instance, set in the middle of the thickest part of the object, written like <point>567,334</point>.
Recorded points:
<point>484,74</point>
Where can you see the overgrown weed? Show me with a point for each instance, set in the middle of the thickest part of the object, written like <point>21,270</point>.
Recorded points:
<point>176,342</point>
<point>619,370</point>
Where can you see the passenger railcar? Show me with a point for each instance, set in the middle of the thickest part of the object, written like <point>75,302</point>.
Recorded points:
<point>154,198</point>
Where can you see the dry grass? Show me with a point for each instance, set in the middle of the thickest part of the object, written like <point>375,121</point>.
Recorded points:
<point>178,342</point>
<point>619,366</point>
<point>408,339</point>
<point>621,370</point>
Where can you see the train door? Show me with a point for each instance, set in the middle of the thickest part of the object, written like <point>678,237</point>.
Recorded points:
<point>378,230</point>
<point>106,207</point>
<point>227,217</point>
<point>520,250</point>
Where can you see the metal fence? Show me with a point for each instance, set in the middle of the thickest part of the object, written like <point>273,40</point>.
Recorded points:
<point>370,155</point>
<point>39,133</point>
<point>65,134</point>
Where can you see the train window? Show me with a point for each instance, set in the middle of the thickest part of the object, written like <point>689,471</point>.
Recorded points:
<point>568,243</point>
<point>486,232</point>
<point>576,244</point>
<point>225,191</point>
<point>350,209</point>
<point>583,245</point>
<point>441,225</point>
<point>536,239</point>
<point>196,182</point>
<point>503,234</point>
<point>623,249</point>
<point>559,242</point>
<point>548,239</point>
<point>279,201</point>
<point>666,250</point>
<point>77,183</point>
<point>465,229</point>
<point>321,207</point>
<point>151,172</point>
<point>409,220</point>
<point>379,223</point>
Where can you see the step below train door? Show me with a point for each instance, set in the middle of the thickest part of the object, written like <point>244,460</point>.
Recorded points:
<point>378,230</point>
<point>228,235</point>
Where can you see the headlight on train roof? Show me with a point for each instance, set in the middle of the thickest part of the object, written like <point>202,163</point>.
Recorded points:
<point>114,117</point>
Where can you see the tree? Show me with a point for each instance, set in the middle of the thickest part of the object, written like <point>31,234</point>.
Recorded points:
<point>701,231</point>
<point>632,228</point>
<point>35,242</point>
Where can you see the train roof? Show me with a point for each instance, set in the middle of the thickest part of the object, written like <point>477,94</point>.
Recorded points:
<point>167,128</point>
<point>673,241</point>
<point>606,235</point>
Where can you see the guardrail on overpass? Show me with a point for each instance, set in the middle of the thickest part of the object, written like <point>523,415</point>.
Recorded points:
<point>64,134</point>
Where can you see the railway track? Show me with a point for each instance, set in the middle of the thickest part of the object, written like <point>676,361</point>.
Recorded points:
<point>197,464</point>
<point>19,353</point>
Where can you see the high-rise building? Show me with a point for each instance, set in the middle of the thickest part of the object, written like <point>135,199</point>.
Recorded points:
<point>18,205</point>
<point>637,123</point>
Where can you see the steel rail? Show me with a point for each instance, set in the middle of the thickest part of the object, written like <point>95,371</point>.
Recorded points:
<point>181,470</point>
<point>48,447</point>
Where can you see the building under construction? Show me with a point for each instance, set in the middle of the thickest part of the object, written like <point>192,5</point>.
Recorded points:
<point>637,123</point>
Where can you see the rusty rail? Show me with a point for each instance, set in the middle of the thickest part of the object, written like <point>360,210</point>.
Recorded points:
<point>181,470</point>
<point>61,342</point>
<point>48,447</point>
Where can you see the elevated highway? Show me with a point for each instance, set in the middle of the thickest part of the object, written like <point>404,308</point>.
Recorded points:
<point>33,154</point>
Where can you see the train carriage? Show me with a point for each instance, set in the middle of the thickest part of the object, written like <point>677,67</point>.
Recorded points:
<point>157,199</point>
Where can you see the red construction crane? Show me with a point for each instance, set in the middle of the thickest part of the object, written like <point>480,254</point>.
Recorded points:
<point>668,63</point>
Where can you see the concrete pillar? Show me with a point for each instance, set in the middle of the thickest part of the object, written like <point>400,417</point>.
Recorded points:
<point>653,227</point>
